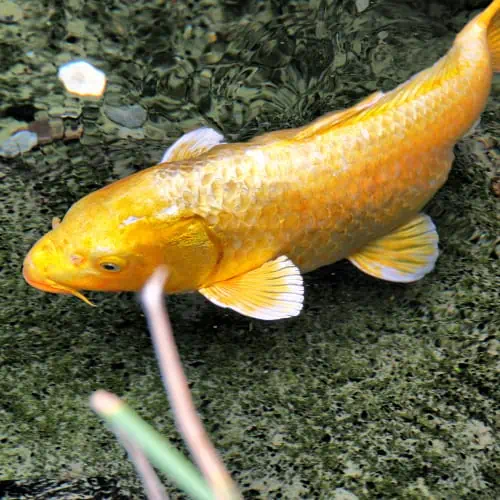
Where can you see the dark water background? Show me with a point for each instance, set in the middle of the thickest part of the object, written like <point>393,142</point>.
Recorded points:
<point>377,390</point>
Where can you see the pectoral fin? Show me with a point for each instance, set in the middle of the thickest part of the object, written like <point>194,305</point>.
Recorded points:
<point>192,144</point>
<point>274,290</point>
<point>407,254</point>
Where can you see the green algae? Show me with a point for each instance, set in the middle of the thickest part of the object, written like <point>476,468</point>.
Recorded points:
<point>376,390</point>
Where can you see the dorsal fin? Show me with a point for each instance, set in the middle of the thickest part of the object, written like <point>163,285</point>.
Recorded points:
<point>321,124</point>
<point>373,104</point>
<point>418,85</point>
<point>379,102</point>
<point>326,122</point>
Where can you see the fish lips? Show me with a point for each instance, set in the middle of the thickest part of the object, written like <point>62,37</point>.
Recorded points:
<point>48,285</point>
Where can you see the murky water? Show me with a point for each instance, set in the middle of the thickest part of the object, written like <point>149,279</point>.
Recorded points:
<point>377,390</point>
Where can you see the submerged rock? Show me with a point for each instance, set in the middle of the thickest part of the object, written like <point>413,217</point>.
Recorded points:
<point>10,13</point>
<point>127,116</point>
<point>18,143</point>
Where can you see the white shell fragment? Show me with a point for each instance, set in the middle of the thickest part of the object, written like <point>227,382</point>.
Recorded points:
<point>81,78</point>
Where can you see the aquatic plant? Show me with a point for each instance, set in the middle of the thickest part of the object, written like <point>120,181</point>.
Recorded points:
<point>145,444</point>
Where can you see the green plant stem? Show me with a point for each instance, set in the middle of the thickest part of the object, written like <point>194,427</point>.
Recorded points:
<point>161,453</point>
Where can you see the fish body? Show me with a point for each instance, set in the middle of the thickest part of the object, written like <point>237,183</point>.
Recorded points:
<point>241,222</point>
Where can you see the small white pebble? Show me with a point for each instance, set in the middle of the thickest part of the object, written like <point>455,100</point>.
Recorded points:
<point>81,78</point>
<point>362,5</point>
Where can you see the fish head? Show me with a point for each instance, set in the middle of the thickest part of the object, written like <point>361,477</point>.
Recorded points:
<point>56,265</point>
<point>115,246</point>
<point>80,253</point>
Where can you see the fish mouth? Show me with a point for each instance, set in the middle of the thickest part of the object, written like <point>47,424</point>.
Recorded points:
<point>48,285</point>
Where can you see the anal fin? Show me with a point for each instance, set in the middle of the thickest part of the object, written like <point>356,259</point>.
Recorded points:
<point>405,255</point>
<point>274,290</point>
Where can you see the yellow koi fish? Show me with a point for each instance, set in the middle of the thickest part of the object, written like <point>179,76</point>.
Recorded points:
<point>240,222</point>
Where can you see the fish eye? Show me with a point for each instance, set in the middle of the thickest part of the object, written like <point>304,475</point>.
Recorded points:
<point>110,266</point>
<point>112,263</point>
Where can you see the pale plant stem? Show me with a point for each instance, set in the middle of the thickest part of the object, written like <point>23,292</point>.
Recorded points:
<point>177,389</point>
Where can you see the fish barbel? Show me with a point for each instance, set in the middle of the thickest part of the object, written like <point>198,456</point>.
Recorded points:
<point>241,222</point>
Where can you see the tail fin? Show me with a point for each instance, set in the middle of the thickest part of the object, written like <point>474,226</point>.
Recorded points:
<point>490,19</point>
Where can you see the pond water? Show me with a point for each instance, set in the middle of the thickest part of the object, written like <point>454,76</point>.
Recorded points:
<point>377,390</point>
